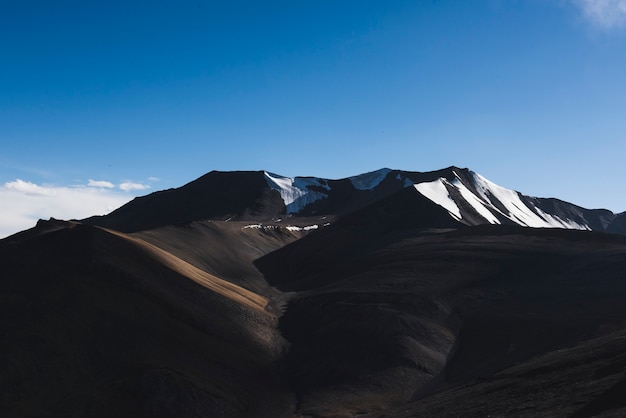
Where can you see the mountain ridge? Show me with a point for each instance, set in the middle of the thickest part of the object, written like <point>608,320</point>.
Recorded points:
<point>264,196</point>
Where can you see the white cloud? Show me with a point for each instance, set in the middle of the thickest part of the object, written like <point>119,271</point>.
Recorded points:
<point>100,183</point>
<point>128,186</point>
<point>23,203</point>
<point>28,188</point>
<point>607,14</point>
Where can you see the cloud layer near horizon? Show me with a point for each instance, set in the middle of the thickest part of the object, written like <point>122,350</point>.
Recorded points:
<point>23,202</point>
<point>606,14</point>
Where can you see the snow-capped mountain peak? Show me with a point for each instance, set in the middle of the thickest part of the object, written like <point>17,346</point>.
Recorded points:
<point>437,191</point>
<point>518,211</point>
<point>466,196</point>
<point>493,203</point>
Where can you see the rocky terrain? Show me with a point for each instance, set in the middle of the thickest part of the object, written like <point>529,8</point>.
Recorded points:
<point>249,294</point>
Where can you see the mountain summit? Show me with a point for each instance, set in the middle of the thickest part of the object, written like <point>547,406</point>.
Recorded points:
<point>468,197</point>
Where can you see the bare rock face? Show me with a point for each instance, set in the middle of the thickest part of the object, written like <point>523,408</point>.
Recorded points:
<point>618,225</point>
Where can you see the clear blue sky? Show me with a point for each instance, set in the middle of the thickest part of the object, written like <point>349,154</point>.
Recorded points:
<point>529,93</point>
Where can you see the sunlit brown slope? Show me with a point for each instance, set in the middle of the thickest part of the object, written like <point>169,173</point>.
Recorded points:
<point>224,249</point>
<point>221,287</point>
<point>96,323</point>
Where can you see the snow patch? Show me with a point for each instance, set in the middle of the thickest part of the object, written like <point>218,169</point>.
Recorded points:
<point>262,227</point>
<point>437,192</point>
<point>558,222</point>
<point>369,180</point>
<point>300,228</point>
<point>407,181</point>
<point>517,211</point>
<point>479,205</point>
<point>296,192</point>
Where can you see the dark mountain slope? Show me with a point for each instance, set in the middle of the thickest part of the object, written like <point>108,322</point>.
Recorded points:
<point>105,325</point>
<point>587,380</point>
<point>216,195</point>
<point>618,225</point>
<point>404,213</point>
<point>382,315</point>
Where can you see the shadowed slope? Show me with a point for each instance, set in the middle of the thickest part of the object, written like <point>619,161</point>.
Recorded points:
<point>412,312</point>
<point>587,380</point>
<point>351,237</point>
<point>216,195</point>
<point>618,226</point>
<point>105,325</point>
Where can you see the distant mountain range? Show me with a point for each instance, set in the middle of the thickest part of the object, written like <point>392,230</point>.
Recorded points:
<point>468,197</point>
<point>250,294</point>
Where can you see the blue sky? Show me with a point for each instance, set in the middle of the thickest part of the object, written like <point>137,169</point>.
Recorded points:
<point>103,101</point>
